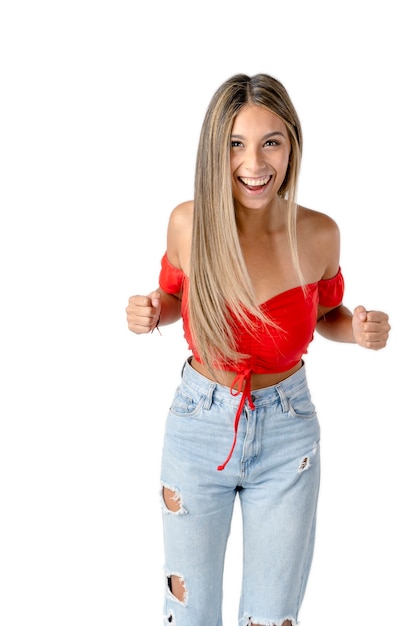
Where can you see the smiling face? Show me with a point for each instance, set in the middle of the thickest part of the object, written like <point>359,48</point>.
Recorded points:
<point>259,153</point>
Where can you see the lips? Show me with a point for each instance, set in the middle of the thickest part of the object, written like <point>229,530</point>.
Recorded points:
<point>255,184</point>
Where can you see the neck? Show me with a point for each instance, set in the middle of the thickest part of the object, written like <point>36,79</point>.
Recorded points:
<point>253,222</point>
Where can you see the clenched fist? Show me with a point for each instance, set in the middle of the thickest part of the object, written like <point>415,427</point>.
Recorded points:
<point>143,312</point>
<point>370,328</point>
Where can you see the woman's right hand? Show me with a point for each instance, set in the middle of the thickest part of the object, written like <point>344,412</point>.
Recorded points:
<point>143,312</point>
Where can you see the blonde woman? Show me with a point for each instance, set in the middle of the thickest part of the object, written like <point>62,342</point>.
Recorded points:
<point>252,275</point>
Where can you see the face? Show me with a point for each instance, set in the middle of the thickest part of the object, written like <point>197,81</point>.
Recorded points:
<point>259,152</point>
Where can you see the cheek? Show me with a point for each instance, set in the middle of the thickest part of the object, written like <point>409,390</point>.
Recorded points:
<point>283,168</point>
<point>284,160</point>
<point>235,188</point>
<point>233,174</point>
<point>233,165</point>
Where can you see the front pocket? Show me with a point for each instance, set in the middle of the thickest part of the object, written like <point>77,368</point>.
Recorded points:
<point>300,405</point>
<point>186,405</point>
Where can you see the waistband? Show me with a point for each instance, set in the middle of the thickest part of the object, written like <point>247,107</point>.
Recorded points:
<point>263,395</point>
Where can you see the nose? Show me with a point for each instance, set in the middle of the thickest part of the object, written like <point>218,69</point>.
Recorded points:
<point>254,161</point>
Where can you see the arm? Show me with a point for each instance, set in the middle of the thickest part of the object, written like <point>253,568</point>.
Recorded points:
<point>145,313</point>
<point>335,324</point>
<point>369,329</point>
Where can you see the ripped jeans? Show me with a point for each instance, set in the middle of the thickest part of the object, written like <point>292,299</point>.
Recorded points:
<point>275,471</point>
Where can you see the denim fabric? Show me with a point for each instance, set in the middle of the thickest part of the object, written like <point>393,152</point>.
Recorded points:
<point>275,471</point>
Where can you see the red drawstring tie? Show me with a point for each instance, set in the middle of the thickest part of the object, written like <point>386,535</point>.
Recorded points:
<point>242,381</point>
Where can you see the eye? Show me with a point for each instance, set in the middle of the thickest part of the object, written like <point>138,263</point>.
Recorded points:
<point>272,142</point>
<point>235,143</point>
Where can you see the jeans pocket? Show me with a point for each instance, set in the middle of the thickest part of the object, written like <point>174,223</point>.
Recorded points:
<point>185,404</point>
<point>300,404</point>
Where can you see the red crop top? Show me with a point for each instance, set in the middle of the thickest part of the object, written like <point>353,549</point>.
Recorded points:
<point>276,349</point>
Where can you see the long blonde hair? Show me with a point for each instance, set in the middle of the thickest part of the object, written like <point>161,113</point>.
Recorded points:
<point>220,289</point>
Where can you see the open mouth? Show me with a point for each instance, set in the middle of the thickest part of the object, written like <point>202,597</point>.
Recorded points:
<point>255,184</point>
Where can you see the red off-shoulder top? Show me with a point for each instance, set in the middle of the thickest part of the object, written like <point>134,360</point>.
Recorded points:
<point>269,350</point>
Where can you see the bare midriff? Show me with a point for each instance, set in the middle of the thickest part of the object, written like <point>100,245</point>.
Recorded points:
<point>258,381</point>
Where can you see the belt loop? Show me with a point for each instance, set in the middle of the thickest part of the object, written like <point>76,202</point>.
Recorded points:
<point>209,396</point>
<point>282,396</point>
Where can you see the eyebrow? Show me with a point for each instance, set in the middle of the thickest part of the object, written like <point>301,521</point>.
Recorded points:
<point>267,136</point>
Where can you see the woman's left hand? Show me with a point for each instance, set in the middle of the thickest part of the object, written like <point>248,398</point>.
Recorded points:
<point>370,328</point>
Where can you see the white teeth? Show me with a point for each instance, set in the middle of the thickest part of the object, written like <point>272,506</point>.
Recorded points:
<point>255,182</point>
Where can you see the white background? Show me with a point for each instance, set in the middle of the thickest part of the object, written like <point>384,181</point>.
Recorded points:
<point>101,107</point>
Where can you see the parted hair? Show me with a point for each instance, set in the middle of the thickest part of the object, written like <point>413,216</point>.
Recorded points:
<point>220,289</point>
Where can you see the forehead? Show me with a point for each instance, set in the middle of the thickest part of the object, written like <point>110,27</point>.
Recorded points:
<point>253,119</point>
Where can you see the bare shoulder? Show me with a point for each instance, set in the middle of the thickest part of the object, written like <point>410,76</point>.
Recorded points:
<point>183,210</point>
<point>319,233</point>
<point>318,223</point>
<point>179,234</point>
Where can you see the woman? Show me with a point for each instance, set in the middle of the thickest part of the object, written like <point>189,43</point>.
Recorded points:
<point>253,275</point>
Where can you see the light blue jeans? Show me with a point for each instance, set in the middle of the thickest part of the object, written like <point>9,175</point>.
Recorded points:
<point>275,470</point>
